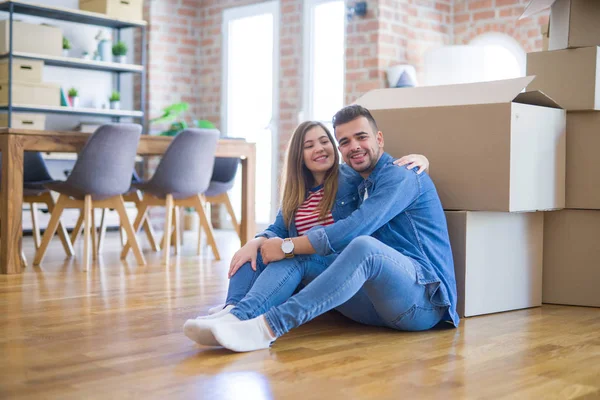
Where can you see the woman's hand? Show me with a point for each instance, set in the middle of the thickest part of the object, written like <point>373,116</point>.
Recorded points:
<point>271,250</point>
<point>414,160</point>
<point>247,253</point>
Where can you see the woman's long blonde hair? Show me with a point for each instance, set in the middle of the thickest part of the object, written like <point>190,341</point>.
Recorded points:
<point>297,179</point>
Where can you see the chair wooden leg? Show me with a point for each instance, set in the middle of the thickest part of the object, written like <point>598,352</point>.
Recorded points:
<point>177,230</point>
<point>51,229</point>
<point>199,249</point>
<point>141,215</point>
<point>210,237</point>
<point>126,224</point>
<point>62,232</point>
<point>35,225</point>
<point>229,207</point>
<point>94,237</point>
<point>102,234</point>
<point>181,224</point>
<point>87,228</point>
<point>23,260</point>
<point>150,234</point>
<point>168,226</point>
<point>175,227</point>
<point>77,230</point>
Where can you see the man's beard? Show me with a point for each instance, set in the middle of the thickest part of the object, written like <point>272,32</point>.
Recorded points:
<point>371,165</point>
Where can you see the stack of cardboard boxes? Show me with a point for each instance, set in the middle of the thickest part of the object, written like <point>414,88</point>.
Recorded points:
<point>497,158</point>
<point>570,74</point>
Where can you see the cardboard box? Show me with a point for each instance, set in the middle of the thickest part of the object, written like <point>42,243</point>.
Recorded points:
<point>572,258</point>
<point>129,10</point>
<point>573,23</point>
<point>24,121</point>
<point>23,70</point>
<point>31,38</point>
<point>497,260</point>
<point>31,94</point>
<point>571,77</point>
<point>491,147</point>
<point>583,162</point>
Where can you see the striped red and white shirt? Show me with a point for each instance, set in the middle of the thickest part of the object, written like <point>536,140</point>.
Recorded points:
<point>307,215</point>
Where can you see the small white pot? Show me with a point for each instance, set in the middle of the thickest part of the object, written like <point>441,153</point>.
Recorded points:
<point>65,53</point>
<point>74,101</point>
<point>115,105</point>
<point>121,59</point>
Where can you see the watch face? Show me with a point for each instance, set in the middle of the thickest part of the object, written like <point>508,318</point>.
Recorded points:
<point>287,247</point>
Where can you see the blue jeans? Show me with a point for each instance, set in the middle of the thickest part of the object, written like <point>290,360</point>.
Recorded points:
<point>368,282</point>
<point>241,282</point>
<point>278,280</point>
<point>275,283</point>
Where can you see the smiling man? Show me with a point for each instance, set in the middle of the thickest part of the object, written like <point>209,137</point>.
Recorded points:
<point>395,266</point>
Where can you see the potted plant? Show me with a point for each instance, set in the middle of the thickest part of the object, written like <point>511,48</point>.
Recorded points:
<point>66,47</point>
<point>74,97</point>
<point>119,50</point>
<point>115,100</point>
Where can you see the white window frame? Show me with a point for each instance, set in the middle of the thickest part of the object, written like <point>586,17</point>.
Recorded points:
<point>249,11</point>
<point>309,39</point>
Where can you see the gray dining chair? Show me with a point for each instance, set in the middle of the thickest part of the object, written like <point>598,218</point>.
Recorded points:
<point>100,177</point>
<point>181,177</point>
<point>221,182</point>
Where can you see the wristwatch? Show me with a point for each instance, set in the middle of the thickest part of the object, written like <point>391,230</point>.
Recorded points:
<point>288,248</point>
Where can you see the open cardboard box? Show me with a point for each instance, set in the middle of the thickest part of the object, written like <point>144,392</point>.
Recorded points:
<point>491,147</point>
<point>573,23</point>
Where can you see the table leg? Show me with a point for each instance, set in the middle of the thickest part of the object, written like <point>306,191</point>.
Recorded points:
<point>248,222</point>
<point>11,204</point>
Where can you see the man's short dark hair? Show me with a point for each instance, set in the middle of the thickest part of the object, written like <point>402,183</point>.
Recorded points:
<point>350,113</point>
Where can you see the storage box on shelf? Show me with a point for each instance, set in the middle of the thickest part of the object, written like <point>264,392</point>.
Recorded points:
<point>516,140</point>
<point>35,94</point>
<point>22,70</point>
<point>573,23</point>
<point>122,9</point>
<point>31,38</point>
<point>24,121</point>
<point>497,260</point>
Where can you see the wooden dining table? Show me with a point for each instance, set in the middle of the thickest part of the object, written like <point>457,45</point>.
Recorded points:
<point>13,142</point>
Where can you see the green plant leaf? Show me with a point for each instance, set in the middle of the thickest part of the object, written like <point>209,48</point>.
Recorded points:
<point>170,113</point>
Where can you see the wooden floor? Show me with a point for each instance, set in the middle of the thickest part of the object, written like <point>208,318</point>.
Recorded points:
<point>115,332</point>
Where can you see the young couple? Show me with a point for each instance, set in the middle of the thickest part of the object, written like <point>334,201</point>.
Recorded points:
<point>367,238</point>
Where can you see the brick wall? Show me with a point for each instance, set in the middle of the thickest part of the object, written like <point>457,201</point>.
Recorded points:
<point>475,17</point>
<point>393,32</point>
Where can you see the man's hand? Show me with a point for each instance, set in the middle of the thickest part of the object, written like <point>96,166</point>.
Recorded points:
<point>271,250</point>
<point>245,254</point>
<point>414,160</point>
